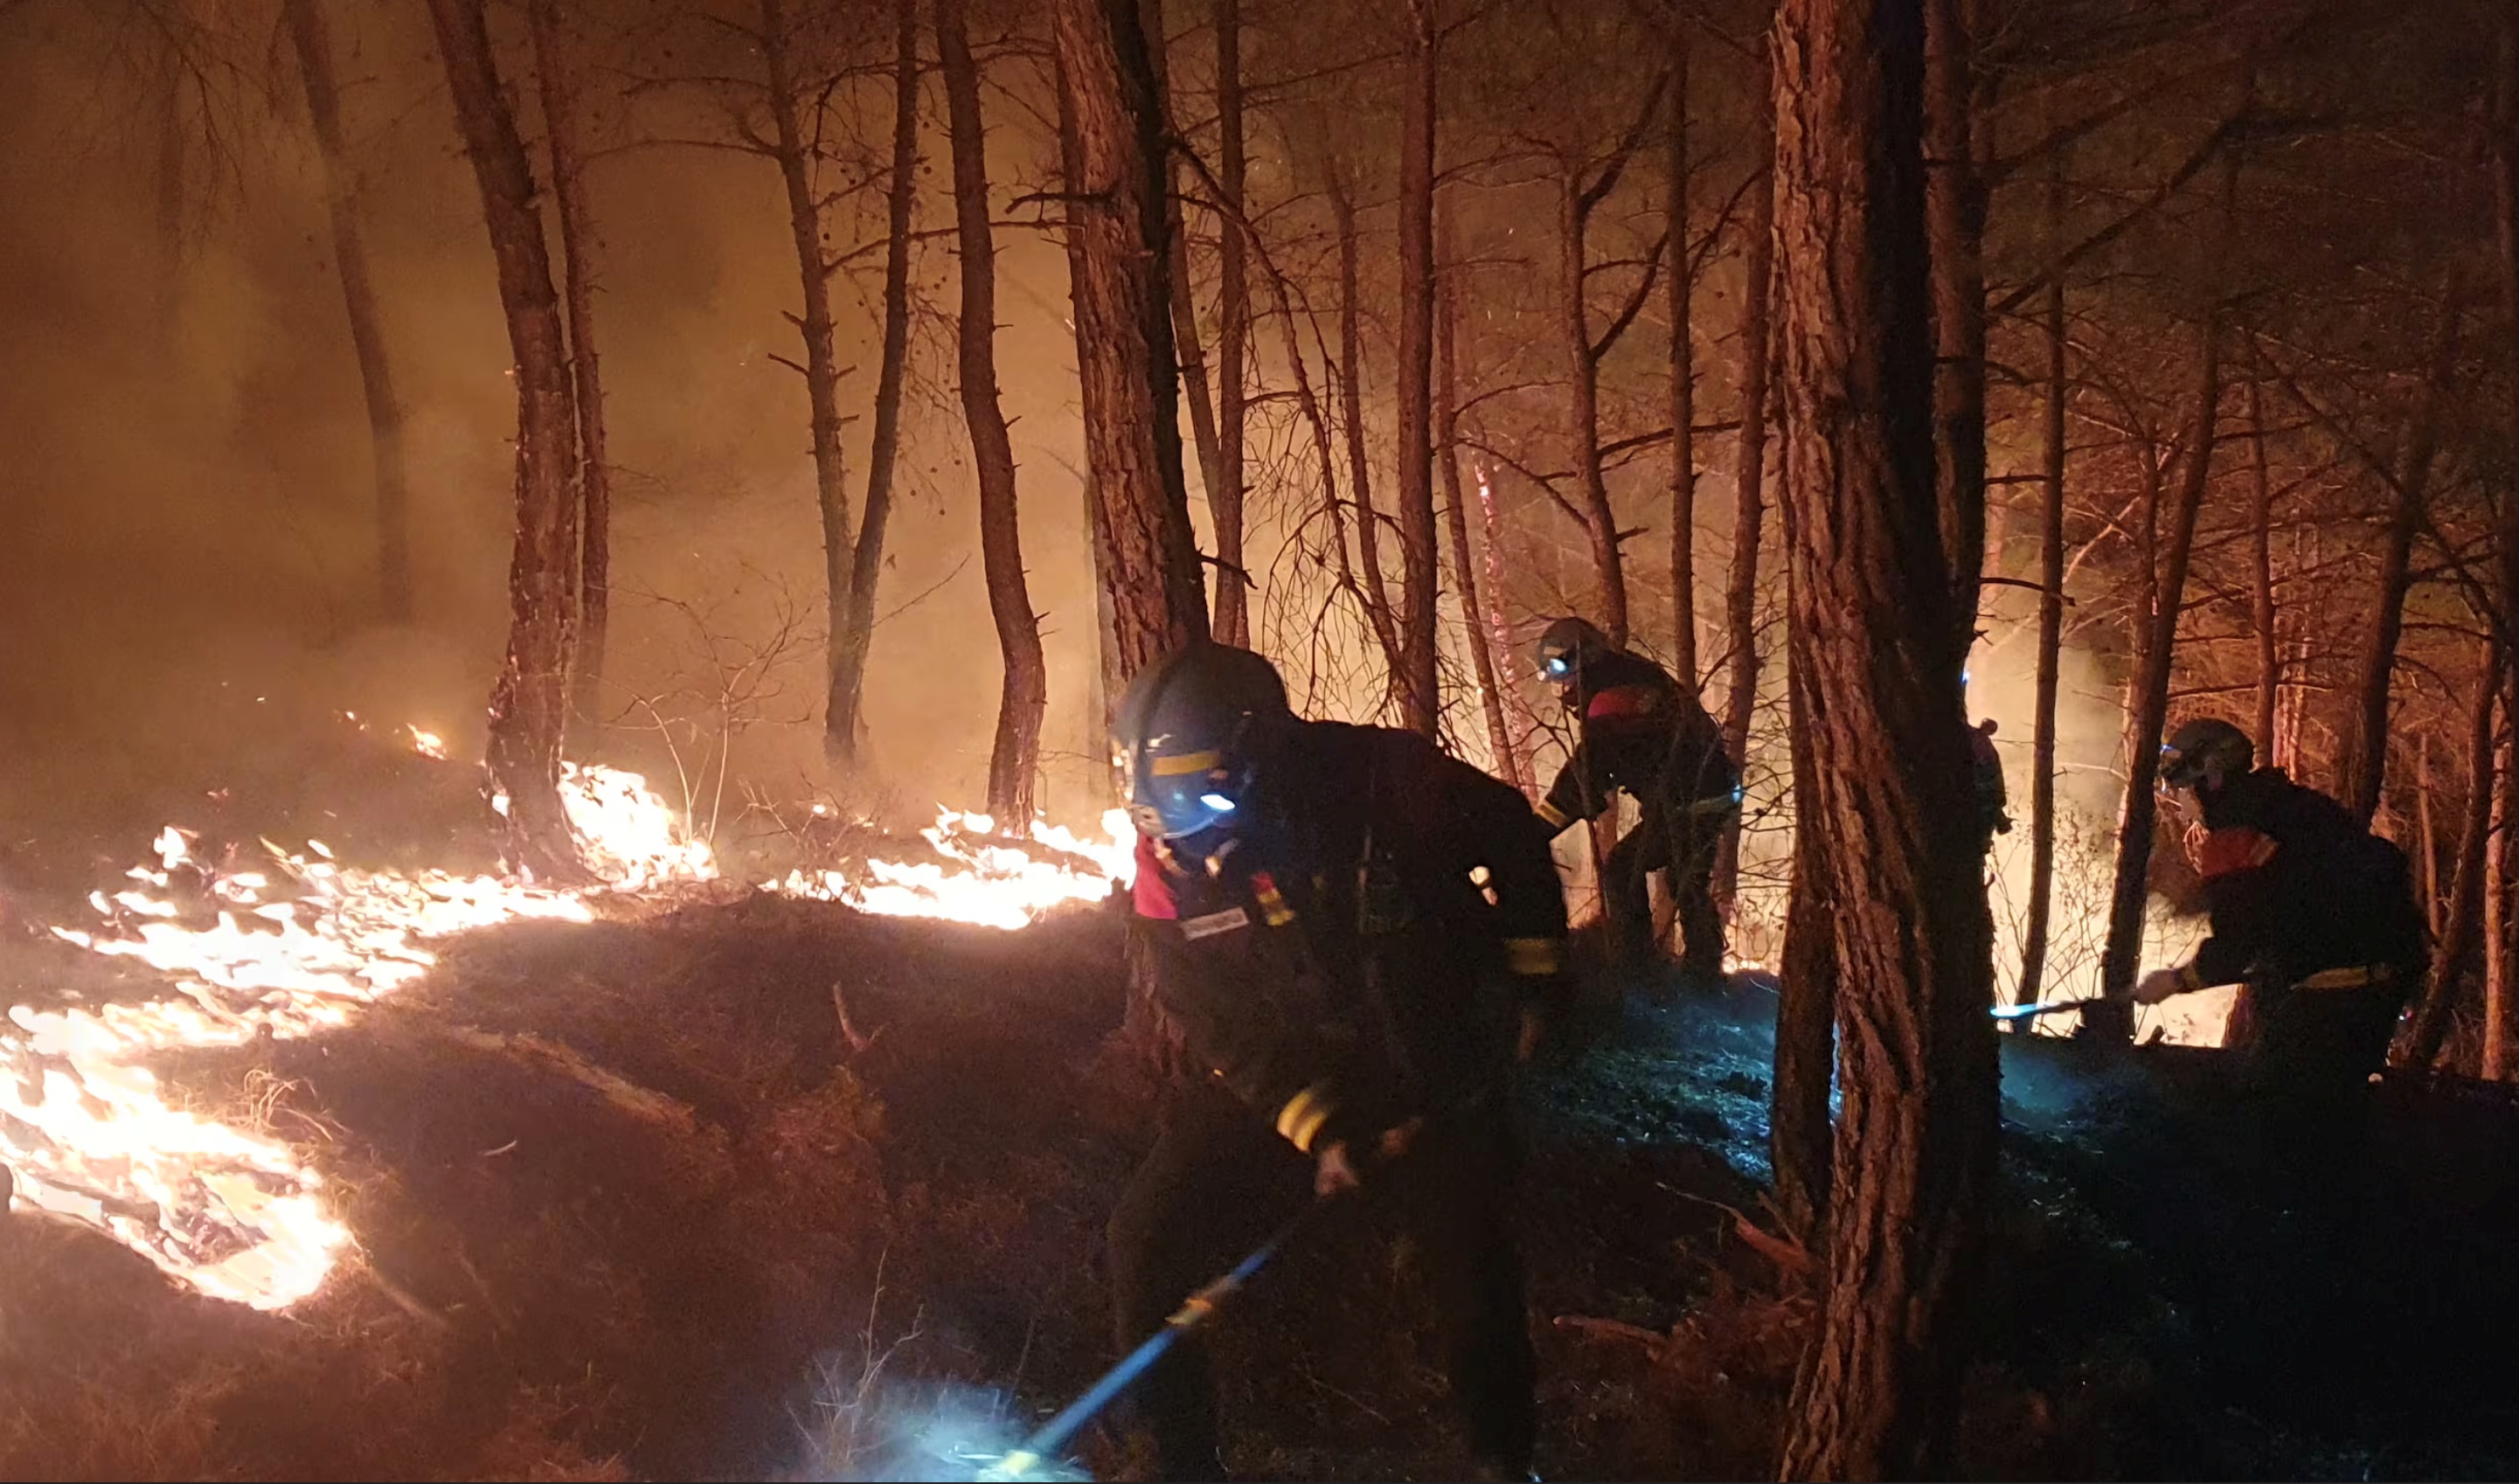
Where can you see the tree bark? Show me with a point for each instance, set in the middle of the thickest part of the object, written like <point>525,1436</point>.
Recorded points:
<point>1204,438</point>
<point>2051,619</point>
<point>1876,642</point>
<point>1681,288</point>
<point>2365,763</point>
<point>1380,611</point>
<point>844,718</point>
<point>1748,511</point>
<point>2149,693</point>
<point>529,705</point>
<point>2429,1024</point>
<point>1798,1128</point>
<point>556,71</point>
<point>1123,346</point>
<point>310,37</point>
<point>2500,1009</point>
<point>788,102</point>
<point>1232,334</point>
<point>2502,854</point>
<point>2261,571</point>
<point>1955,210</point>
<point>1505,761</point>
<point>1421,706</point>
<point>1014,761</point>
<point>1584,384</point>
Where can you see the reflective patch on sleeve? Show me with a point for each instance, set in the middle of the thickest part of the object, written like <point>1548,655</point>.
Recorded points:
<point>1299,1121</point>
<point>1552,816</point>
<point>2232,848</point>
<point>1273,904</point>
<point>1532,956</point>
<point>1227,921</point>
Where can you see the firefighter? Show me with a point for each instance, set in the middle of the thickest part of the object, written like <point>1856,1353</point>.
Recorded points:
<point>2311,915</point>
<point>1994,816</point>
<point>1352,931</point>
<point>1642,731</point>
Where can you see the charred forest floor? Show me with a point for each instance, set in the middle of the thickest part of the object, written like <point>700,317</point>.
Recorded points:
<point>757,1187</point>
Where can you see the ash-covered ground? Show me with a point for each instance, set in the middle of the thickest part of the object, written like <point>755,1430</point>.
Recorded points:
<point>751,1186</point>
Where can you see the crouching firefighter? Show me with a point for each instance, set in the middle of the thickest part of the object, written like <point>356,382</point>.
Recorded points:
<point>1349,928</point>
<point>1643,732</point>
<point>2311,915</point>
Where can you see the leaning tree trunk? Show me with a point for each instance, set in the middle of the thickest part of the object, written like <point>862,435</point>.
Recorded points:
<point>2365,765</point>
<point>1421,707</point>
<point>1878,646</point>
<point>1749,514</point>
<point>1584,383</point>
<point>2051,619</point>
<point>1380,611</point>
<point>844,719</point>
<point>1014,759</point>
<point>1506,763</point>
<point>308,35</point>
<point>556,71</point>
<point>788,100</point>
<point>2147,702</point>
<point>2456,947</point>
<point>1681,288</point>
<point>1192,363</point>
<point>2261,571</point>
<point>1232,332</point>
<point>1124,347</point>
<point>1955,213</point>
<point>529,705</point>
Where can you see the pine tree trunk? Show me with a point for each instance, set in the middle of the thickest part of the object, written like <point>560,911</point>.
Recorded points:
<point>1583,385</point>
<point>1205,439</point>
<point>1504,761</point>
<point>1681,288</point>
<point>1232,334</point>
<point>556,70</point>
<point>2261,571</point>
<point>1876,649</point>
<point>2147,700</point>
<point>1748,511</point>
<point>2429,1024</point>
<point>2502,854</point>
<point>2051,619</point>
<point>845,717</point>
<point>788,105</point>
<point>309,36</point>
<point>1014,759</point>
<point>2365,765</point>
<point>1123,346</point>
<point>1799,1131</point>
<point>2426,841</point>
<point>1421,706</point>
<point>2500,1010</point>
<point>1380,611</point>
<point>529,705</point>
<point>1955,212</point>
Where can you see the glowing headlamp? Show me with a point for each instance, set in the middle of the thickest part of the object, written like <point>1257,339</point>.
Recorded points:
<point>1218,801</point>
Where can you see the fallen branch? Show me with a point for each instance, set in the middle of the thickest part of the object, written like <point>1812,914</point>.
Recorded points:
<point>643,1103</point>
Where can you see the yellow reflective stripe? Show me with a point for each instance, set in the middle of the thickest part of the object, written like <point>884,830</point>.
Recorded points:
<point>1184,763</point>
<point>2354,977</point>
<point>1532,956</point>
<point>1299,1121</point>
<point>1552,814</point>
<point>1273,909</point>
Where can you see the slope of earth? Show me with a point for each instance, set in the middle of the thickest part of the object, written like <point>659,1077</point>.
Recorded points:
<point>773,1189</point>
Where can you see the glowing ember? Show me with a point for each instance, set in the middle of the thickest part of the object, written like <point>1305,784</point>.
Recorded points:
<point>302,947</point>
<point>427,744</point>
<point>988,884</point>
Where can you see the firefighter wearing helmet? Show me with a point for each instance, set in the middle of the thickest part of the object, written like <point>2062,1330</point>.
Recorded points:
<point>1349,928</point>
<point>1642,731</point>
<point>2311,915</point>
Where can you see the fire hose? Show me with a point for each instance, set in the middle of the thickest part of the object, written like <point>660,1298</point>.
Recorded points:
<point>1050,1440</point>
<point>2057,1007</point>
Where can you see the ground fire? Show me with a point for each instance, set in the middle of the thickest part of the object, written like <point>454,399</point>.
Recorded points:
<point>1697,739</point>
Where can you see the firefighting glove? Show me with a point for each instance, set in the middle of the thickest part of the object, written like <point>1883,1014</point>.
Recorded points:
<point>1349,1163</point>
<point>2159,984</point>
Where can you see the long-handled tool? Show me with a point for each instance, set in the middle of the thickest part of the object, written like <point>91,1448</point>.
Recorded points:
<point>1053,1436</point>
<point>2031,1012</point>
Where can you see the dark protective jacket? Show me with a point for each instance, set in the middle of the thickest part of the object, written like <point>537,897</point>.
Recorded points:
<point>1334,962</point>
<point>2295,887</point>
<point>1994,816</point>
<point>1643,732</point>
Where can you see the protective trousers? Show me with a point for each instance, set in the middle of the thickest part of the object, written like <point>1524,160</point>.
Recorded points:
<point>1219,1179</point>
<point>1666,838</point>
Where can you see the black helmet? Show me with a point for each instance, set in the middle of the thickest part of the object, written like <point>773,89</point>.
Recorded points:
<point>1568,644</point>
<point>1185,736</point>
<point>2210,750</point>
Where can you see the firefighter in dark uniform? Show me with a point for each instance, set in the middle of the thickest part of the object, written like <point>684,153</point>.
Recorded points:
<point>1643,732</point>
<point>2311,915</point>
<point>1993,803</point>
<point>1351,930</point>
